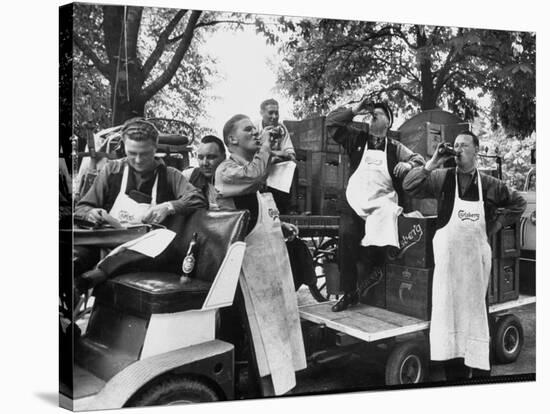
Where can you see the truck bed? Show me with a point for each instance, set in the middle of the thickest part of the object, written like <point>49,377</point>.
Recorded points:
<point>370,324</point>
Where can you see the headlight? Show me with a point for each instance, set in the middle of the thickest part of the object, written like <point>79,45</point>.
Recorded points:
<point>533,217</point>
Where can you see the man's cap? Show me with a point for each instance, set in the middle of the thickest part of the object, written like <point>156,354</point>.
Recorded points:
<point>138,129</point>
<point>385,107</point>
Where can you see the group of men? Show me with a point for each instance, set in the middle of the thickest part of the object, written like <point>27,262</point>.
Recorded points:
<point>141,188</point>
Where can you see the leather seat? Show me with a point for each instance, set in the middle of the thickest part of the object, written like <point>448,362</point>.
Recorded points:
<point>146,292</point>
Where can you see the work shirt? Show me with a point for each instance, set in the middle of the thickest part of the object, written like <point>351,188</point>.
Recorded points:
<point>172,187</point>
<point>501,204</point>
<point>206,185</point>
<point>237,181</point>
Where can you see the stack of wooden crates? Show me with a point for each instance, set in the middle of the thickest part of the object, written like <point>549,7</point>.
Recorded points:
<point>323,168</point>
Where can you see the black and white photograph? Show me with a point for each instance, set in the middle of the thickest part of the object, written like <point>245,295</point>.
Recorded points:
<point>257,205</point>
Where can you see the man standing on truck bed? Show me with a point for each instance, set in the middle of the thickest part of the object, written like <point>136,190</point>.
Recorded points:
<point>368,222</point>
<point>471,207</point>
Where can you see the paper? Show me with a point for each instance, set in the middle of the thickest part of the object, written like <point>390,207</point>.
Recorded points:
<point>280,176</point>
<point>151,244</point>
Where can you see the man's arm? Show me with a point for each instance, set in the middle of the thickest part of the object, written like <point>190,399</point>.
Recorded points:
<point>404,154</point>
<point>233,179</point>
<point>96,195</point>
<point>286,145</point>
<point>339,129</point>
<point>424,183</point>
<point>508,204</point>
<point>188,198</point>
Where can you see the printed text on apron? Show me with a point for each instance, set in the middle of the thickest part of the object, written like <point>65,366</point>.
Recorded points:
<point>459,326</point>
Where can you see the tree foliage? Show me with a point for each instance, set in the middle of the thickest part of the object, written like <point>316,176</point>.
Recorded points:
<point>327,62</point>
<point>135,61</point>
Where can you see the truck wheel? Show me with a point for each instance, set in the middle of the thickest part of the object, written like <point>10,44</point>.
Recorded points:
<point>407,364</point>
<point>324,256</point>
<point>508,339</point>
<point>172,391</point>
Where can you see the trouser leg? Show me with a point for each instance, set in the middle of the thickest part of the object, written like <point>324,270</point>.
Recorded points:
<point>301,263</point>
<point>351,231</point>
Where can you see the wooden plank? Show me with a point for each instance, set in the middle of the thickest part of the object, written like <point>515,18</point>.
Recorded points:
<point>521,301</point>
<point>362,321</point>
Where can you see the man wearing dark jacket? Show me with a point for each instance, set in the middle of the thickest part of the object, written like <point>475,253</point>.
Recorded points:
<point>210,154</point>
<point>368,222</point>
<point>471,207</point>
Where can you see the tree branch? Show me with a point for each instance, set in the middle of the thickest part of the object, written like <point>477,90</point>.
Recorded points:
<point>173,66</point>
<point>402,90</point>
<point>210,23</point>
<point>161,44</point>
<point>90,54</point>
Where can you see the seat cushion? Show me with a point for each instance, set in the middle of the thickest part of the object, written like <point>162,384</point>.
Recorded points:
<point>144,293</point>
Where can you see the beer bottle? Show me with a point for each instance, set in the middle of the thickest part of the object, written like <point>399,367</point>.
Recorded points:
<point>188,264</point>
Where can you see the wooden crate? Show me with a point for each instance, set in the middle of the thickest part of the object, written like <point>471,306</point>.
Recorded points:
<point>301,199</point>
<point>304,167</point>
<point>310,134</point>
<point>409,290</point>
<point>506,243</point>
<point>376,294</point>
<point>508,279</point>
<point>492,288</point>
<point>415,242</point>
<point>528,274</point>
<point>327,201</point>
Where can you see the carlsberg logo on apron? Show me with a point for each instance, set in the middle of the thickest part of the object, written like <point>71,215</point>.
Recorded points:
<point>371,194</point>
<point>462,255</point>
<point>127,210</point>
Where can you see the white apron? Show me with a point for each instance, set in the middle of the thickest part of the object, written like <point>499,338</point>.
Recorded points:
<point>270,300</point>
<point>128,211</point>
<point>459,326</point>
<point>371,194</point>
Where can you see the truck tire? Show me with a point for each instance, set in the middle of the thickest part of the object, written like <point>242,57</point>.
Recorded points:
<point>508,339</point>
<point>172,391</point>
<point>407,364</point>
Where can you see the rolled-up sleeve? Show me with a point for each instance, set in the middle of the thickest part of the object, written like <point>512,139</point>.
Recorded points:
<point>234,179</point>
<point>188,197</point>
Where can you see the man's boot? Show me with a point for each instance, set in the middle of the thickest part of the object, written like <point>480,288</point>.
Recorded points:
<point>349,299</point>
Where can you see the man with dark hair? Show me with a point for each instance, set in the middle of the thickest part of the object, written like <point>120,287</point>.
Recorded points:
<point>139,188</point>
<point>368,222</point>
<point>210,154</point>
<point>282,145</point>
<point>471,207</point>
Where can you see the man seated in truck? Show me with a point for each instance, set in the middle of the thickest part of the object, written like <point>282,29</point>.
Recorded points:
<point>136,189</point>
<point>368,222</point>
<point>471,207</point>
<point>210,154</point>
<point>265,288</point>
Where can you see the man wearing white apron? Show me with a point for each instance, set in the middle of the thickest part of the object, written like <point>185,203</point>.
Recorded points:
<point>136,189</point>
<point>471,207</point>
<point>368,222</point>
<point>265,299</point>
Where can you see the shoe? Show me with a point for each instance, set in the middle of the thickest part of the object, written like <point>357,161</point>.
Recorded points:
<point>349,299</point>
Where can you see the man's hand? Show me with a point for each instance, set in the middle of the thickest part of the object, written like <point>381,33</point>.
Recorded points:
<point>290,231</point>
<point>362,107</point>
<point>97,215</point>
<point>157,214</point>
<point>401,169</point>
<point>265,138</point>
<point>437,159</point>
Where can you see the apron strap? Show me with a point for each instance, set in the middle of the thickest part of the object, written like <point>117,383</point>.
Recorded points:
<point>124,182</point>
<point>154,191</point>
